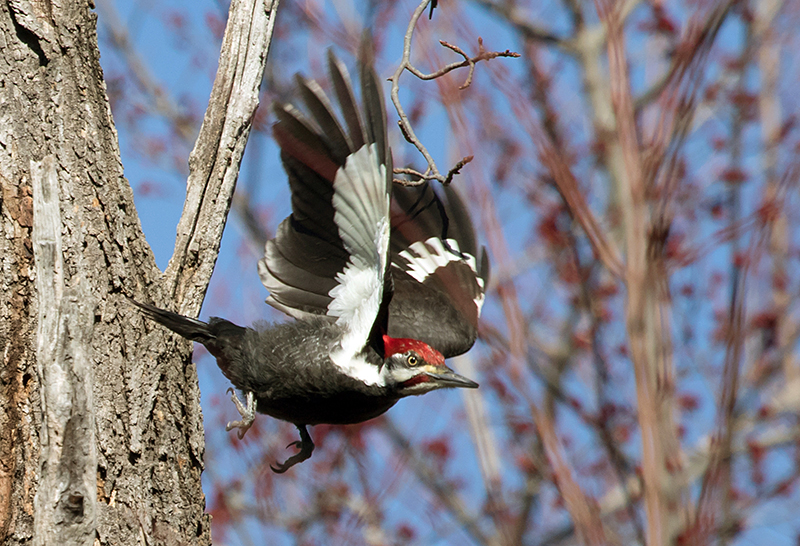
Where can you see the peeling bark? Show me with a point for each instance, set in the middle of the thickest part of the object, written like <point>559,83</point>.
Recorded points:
<point>65,503</point>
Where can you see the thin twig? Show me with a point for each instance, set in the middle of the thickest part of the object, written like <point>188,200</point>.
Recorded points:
<point>432,172</point>
<point>482,55</point>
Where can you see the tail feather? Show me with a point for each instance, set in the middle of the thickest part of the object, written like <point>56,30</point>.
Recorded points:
<point>221,337</point>
<point>193,329</point>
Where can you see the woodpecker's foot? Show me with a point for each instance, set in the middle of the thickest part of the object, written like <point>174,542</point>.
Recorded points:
<point>306,447</point>
<point>248,414</point>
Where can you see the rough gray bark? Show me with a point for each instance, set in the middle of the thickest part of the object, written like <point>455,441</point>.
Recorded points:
<point>101,437</point>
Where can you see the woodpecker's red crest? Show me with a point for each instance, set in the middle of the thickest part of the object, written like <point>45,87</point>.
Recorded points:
<point>394,345</point>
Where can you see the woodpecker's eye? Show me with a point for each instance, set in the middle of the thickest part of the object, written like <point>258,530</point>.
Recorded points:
<point>412,360</point>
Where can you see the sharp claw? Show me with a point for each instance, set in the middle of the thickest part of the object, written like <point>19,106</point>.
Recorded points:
<point>280,468</point>
<point>306,447</point>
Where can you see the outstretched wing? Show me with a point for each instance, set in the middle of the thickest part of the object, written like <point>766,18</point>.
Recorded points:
<point>439,277</point>
<point>330,257</point>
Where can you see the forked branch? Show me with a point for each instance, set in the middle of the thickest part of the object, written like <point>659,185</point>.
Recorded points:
<point>482,55</point>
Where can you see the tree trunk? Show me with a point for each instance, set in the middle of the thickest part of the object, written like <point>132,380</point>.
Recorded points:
<point>101,438</point>
<point>98,438</point>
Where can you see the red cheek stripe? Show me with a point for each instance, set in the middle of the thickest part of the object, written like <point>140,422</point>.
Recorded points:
<point>416,380</point>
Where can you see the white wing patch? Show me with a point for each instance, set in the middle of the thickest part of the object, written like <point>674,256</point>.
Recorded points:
<point>430,255</point>
<point>361,205</point>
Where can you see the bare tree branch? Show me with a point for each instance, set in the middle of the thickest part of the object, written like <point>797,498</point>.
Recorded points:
<point>644,328</point>
<point>214,161</point>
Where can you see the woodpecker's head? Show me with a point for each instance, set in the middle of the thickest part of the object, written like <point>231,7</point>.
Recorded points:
<point>415,367</point>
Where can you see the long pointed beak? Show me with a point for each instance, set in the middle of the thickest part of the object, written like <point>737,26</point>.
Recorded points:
<point>450,379</point>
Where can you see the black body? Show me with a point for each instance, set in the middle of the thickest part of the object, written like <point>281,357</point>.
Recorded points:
<point>286,366</point>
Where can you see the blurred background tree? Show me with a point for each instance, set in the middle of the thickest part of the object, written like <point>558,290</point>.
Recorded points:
<point>635,182</point>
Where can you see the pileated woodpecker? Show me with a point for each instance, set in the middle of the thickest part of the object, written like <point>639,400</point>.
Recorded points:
<point>382,290</point>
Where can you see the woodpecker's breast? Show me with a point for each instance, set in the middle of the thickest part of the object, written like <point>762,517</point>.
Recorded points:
<point>321,393</point>
<point>289,367</point>
<point>342,408</point>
